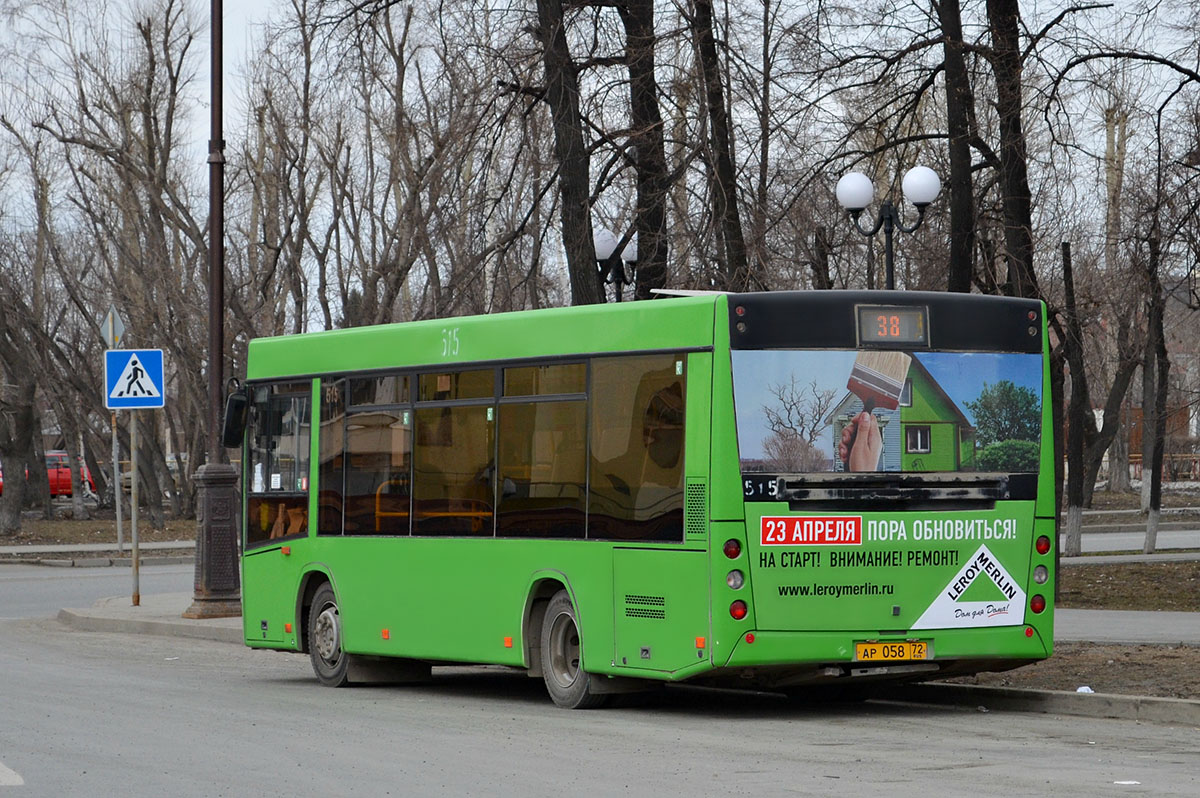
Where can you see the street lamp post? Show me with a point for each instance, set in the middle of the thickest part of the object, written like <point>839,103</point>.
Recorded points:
<point>855,191</point>
<point>217,593</point>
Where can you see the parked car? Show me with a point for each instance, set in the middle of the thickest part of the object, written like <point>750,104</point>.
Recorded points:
<point>58,471</point>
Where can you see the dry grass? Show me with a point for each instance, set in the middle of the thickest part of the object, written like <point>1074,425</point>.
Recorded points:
<point>101,529</point>
<point>1162,671</point>
<point>1132,586</point>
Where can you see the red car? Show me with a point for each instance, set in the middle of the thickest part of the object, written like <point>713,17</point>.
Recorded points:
<point>58,470</point>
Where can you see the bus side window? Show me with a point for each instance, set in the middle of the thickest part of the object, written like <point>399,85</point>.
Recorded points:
<point>330,488</point>
<point>543,469</point>
<point>378,459</point>
<point>277,495</point>
<point>637,409</point>
<point>453,471</point>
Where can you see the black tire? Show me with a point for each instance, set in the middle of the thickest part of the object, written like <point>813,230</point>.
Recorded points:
<point>329,662</point>
<point>568,684</point>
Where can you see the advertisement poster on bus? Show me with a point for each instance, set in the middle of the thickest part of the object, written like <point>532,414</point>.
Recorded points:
<point>807,411</point>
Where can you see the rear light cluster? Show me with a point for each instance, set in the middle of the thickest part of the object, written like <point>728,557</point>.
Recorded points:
<point>1041,574</point>
<point>735,579</point>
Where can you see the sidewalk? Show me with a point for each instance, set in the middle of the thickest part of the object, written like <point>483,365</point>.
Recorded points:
<point>72,548</point>
<point>158,614</point>
<point>94,555</point>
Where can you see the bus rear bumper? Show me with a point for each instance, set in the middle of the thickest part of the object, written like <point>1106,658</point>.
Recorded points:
<point>768,659</point>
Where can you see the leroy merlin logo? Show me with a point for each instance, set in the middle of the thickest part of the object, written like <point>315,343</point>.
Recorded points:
<point>982,593</point>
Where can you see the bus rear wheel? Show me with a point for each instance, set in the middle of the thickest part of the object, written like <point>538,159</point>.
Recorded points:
<point>568,684</point>
<point>329,662</point>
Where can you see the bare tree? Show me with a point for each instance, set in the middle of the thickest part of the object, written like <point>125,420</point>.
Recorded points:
<point>796,422</point>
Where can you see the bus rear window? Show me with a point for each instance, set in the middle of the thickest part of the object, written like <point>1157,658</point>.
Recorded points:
<point>831,411</point>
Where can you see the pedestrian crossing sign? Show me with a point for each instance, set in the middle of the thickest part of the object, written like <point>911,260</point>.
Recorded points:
<point>133,379</point>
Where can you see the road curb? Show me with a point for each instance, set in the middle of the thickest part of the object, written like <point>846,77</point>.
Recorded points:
<point>1176,711</point>
<point>98,562</point>
<point>86,621</point>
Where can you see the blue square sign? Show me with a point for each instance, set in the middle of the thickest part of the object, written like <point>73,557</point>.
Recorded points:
<point>133,379</point>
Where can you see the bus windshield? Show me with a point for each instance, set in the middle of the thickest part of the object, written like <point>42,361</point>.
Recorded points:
<point>835,411</point>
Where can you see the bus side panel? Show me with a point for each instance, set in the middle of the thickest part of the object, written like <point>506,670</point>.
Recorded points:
<point>725,486</point>
<point>1043,623</point>
<point>661,609</point>
<point>726,630</point>
<point>269,581</point>
<point>696,447</point>
<point>462,600</point>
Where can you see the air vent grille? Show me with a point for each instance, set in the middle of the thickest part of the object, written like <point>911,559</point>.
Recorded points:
<point>695,510</point>
<point>637,606</point>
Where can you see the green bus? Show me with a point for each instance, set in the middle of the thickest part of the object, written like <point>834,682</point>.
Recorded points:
<point>772,490</point>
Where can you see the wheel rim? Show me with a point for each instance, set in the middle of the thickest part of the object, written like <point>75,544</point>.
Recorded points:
<point>327,635</point>
<point>564,650</point>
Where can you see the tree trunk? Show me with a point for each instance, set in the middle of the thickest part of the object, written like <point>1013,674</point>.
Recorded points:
<point>1116,135</point>
<point>959,102</point>
<point>1097,442</point>
<point>736,274</point>
<point>16,445</point>
<point>822,247</point>
<point>1004,19</point>
<point>647,141</point>
<point>39,479</point>
<point>1158,346</point>
<point>1149,410</point>
<point>575,212</point>
<point>79,487</point>
<point>1078,414</point>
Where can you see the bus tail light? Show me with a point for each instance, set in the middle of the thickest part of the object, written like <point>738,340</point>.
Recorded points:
<point>1037,604</point>
<point>735,579</point>
<point>1040,574</point>
<point>1042,545</point>
<point>738,610</point>
<point>732,548</point>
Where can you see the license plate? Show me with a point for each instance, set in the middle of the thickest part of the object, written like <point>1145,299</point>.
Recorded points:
<point>898,651</point>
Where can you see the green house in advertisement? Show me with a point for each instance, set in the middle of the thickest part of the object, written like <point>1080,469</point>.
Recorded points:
<point>935,435</point>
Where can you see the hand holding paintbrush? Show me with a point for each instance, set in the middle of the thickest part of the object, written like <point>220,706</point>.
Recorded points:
<point>878,380</point>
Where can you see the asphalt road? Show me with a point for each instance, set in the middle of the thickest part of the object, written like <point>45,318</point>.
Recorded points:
<point>1167,539</point>
<point>87,713</point>
<point>36,591</point>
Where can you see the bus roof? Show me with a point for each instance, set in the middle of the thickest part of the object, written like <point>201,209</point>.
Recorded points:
<point>656,324</point>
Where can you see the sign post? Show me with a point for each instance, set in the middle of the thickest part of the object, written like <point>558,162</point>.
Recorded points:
<point>133,379</point>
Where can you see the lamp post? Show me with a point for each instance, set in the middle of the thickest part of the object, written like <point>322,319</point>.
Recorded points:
<point>611,257</point>
<point>217,593</point>
<point>855,191</point>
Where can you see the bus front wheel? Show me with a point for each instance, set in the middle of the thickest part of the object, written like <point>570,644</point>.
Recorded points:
<point>568,684</point>
<point>329,662</point>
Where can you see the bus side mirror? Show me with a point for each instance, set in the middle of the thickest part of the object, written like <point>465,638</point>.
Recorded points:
<point>237,407</point>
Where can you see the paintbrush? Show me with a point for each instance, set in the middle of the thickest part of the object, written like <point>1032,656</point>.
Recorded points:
<point>878,378</point>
